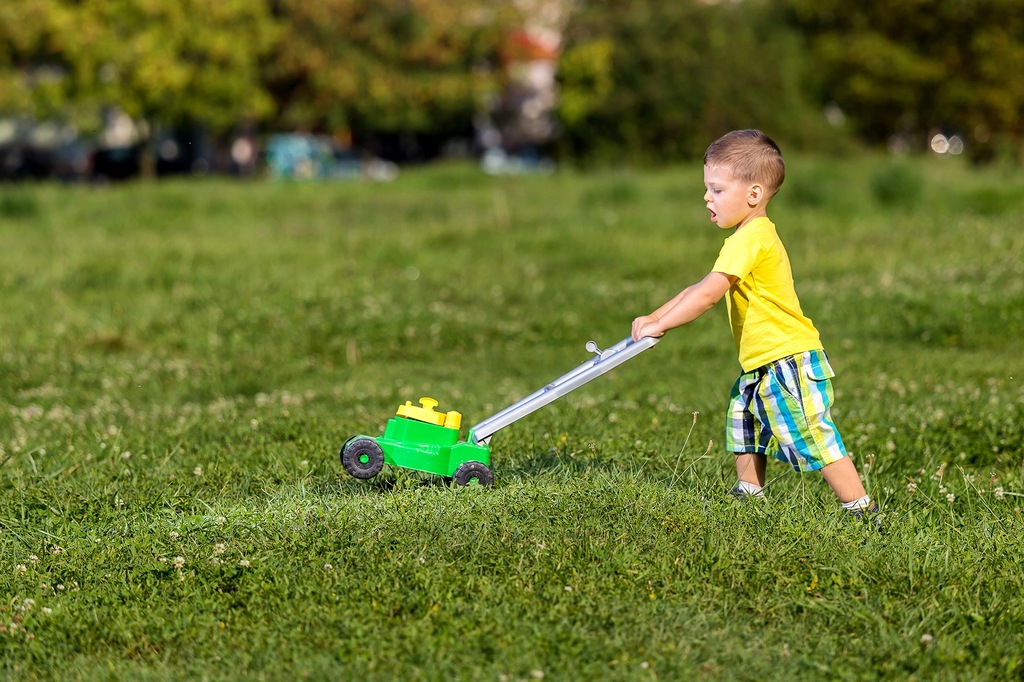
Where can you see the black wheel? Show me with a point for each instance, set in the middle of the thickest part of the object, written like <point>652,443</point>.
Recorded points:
<point>467,472</point>
<point>362,457</point>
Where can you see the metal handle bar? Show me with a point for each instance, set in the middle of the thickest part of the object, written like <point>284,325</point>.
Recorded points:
<point>604,361</point>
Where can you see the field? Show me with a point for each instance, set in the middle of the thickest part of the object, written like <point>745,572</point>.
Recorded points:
<point>180,363</point>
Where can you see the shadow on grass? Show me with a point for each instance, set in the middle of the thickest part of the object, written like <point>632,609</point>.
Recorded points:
<point>534,466</point>
<point>390,480</point>
<point>552,463</point>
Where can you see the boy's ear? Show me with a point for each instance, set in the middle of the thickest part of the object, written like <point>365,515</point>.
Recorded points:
<point>755,193</point>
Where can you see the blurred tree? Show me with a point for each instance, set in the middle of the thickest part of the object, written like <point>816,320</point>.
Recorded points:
<point>163,61</point>
<point>387,66</point>
<point>918,67</point>
<point>29,72</point>
<point>660,79</point>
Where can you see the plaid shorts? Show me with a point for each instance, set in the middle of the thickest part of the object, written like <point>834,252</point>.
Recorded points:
<point>783,409</point>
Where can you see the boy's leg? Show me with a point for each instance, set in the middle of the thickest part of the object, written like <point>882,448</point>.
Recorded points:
<point>841,475</point>
<point>744,437</point>
<point>795,398</point>
<point>750,468</point>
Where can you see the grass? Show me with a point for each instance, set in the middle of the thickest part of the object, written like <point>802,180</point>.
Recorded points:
<point>180,362</point>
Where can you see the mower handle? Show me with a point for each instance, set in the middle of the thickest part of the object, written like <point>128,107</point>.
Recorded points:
<point>602,362</point>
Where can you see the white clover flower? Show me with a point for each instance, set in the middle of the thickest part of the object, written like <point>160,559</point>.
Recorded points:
<point>20,568</point>
<point>950,497</point>
<point>244,563</point>
<point>911,487</point>
<point>198,471</point>
<point>926,639</point>
<point>219,548</point>
<point>179,562</point>
<point>999,493</point>
<point>174,535</point>
<point>328,567</point>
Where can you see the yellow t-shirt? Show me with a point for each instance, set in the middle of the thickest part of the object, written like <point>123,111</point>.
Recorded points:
<point>764,312</point>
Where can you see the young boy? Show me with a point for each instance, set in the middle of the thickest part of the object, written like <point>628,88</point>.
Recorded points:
<point>784,393</point>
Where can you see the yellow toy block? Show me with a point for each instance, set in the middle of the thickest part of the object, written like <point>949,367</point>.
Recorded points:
<point>426,413</point>
<point>453,420</point>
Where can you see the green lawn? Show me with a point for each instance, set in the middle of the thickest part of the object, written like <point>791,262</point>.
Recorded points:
<point>180,363</point>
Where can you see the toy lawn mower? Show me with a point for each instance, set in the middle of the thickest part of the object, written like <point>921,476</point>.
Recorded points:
<point>420,438</point>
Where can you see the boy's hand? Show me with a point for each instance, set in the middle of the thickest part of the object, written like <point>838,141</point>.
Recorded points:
<point>646,325</point>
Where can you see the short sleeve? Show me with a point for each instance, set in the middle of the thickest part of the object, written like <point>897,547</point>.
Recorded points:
<point>738,256</point>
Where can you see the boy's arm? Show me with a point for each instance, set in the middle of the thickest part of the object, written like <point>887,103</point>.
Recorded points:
<point>684,307</point>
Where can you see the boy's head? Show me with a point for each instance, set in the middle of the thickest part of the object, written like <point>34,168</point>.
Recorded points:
<point>751,156</point>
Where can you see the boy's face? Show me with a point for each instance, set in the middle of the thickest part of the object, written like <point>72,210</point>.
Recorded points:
<point>732,201</point>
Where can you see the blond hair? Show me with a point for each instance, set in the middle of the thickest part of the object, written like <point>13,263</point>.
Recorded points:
<point>751,155</point>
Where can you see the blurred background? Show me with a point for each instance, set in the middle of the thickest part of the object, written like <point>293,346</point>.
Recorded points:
<point>104,90</point>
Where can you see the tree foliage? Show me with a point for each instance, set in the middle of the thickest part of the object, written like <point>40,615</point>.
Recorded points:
<point>646,79</point>
<point>660,79</point>
<point>166,62</point>
<point>921,66</point>
<point>387,65</point>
